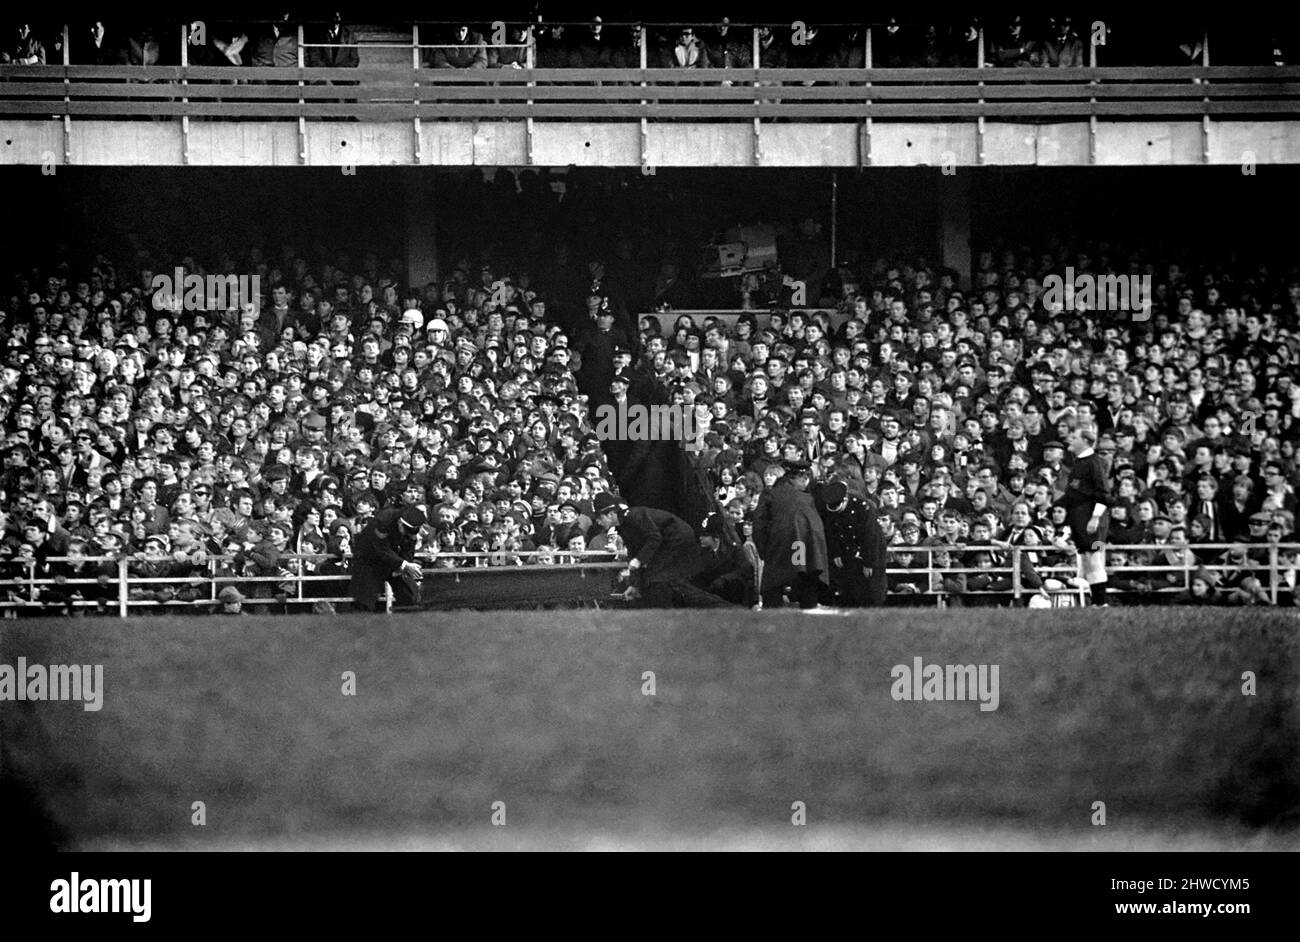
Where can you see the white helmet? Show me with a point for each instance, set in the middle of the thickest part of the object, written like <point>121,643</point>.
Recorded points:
<point>413,317</point>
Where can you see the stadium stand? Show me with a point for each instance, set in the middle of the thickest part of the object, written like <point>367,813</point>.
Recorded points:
<point>163,447</point>
<point>266,436</point>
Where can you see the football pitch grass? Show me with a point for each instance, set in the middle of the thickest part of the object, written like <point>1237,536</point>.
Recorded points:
<point>546,720</point>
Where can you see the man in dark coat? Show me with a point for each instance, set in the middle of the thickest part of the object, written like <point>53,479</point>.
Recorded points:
<point>663,553</point>
<point>856,546</point>
<point>653,471</point>
<point>334,47</point>
<point>385,548</point>
<point>466,50</point>
<point>790,537</point>
<point>597,347</point>
<point>1087,500</point>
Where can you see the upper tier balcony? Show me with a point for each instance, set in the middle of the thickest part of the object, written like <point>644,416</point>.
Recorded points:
<point>393,110</point>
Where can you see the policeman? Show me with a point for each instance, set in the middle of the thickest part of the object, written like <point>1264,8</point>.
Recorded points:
<point>789,534</point>
<point>856,546</point>
<point>725,570</point>
<point>385,549</point>
<point>663,552</point>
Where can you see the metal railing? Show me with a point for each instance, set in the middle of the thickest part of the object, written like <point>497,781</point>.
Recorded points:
<point>480,575</point>
<point>127,588</point>
<point>1270,570</point>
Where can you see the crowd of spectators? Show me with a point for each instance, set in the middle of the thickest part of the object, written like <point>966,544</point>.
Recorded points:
<point>1047,41</point>
<point>180,436</point>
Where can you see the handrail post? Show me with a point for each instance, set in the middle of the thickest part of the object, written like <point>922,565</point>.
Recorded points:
<point>1016,593</point>
<point>645,125</point>
<point>1272,572</point>
<point>1092,102</point>
<point>758,54</point>
<point>864,149</point>
<point>1205,118</point>
<point>67,96</point>
<point>644,54</point>
<point>415,84</point>
<point>530,63</point>
<point>302,104</point>
<point>122,594</point>
<point>979,119</point>
<point>185,98</point>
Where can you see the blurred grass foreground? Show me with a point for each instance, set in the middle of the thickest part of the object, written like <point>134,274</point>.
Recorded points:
<point>582,729</point>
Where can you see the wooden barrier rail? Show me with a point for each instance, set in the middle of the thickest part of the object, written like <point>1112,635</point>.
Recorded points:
<point>374,94</point>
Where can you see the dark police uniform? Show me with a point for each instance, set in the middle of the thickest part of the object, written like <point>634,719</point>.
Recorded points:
<point>669,556</point>
<point>378,553</point>
<point>789,534</point>
<point>854,537</point>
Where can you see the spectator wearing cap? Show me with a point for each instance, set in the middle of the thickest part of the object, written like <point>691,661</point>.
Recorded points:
<point>230,602</point>
<point>1203,589</point>
<point>1257,534</point>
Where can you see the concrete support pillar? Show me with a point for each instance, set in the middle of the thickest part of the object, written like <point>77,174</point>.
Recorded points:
<point>954,216</point>
<point>421,228</point>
